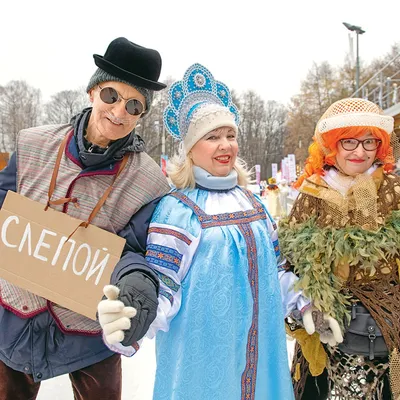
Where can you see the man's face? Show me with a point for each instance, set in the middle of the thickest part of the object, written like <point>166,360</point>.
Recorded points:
<point>112,121</point>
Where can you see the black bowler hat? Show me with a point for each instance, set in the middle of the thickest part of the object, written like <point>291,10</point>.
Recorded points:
<point>132,63</point>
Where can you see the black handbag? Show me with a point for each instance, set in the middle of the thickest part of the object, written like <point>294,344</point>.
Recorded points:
<point>363,336</point>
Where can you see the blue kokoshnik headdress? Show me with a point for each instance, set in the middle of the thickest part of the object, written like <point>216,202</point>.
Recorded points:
<point>197,105</point>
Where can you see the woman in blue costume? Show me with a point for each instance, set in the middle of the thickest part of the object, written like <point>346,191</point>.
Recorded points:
<point>220,323</point>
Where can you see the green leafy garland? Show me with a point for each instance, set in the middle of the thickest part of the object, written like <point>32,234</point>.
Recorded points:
<point>316,252</point>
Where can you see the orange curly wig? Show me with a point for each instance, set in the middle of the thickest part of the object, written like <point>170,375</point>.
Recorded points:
<point>318,158</point>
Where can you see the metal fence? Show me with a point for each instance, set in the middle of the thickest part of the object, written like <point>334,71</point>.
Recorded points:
<point>383,88</point>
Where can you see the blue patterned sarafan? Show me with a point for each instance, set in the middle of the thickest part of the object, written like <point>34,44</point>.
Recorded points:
<point>242,219</point>
<point>198,87</point>
<point>239,217</point>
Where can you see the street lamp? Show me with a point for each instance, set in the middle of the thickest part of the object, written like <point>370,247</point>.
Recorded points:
<point>163,157</point>
<point>157,124</point>
<point>359,31</point>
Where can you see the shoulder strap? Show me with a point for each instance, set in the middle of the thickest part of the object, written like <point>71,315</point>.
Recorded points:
<point>74,200</point>
<point>190,203</point>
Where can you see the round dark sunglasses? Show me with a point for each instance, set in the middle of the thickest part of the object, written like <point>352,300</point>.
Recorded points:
<point>110,96</point>
<point>367,144</point>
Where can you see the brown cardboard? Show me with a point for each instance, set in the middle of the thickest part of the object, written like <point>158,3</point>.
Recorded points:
<point>69,279</point>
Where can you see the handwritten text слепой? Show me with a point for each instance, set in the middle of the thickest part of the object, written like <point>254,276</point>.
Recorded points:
<point>78,257</point>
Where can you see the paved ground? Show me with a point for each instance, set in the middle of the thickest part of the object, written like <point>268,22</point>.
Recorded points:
<point>138,377</point>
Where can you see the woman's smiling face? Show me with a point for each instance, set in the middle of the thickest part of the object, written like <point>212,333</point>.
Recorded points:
<point>216,152</point>
<point>357,161</point>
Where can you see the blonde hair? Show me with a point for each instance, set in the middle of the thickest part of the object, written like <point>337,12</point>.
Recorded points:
<point>182,176</point>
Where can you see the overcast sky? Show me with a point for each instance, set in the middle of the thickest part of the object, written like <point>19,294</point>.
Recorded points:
<point>248,44</point>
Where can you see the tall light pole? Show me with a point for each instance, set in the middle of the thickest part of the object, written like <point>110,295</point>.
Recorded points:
<point>359,31</point>
<point>163,141</point>
<point>163,157</point>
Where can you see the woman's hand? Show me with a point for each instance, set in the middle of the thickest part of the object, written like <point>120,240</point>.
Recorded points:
<point>322,323</point>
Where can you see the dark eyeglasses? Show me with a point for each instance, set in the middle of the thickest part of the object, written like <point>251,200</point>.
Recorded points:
<point>110,96</point>
<point>367,144</point>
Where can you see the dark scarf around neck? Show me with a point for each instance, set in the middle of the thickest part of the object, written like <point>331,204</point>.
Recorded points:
<point>91,154</point>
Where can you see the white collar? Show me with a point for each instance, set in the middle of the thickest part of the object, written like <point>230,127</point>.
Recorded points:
<point>346,182</point>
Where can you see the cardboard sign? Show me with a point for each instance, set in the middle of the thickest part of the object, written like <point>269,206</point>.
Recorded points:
<point>35,254</point>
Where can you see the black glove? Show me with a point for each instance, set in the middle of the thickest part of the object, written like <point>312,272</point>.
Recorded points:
<point>140,291</point>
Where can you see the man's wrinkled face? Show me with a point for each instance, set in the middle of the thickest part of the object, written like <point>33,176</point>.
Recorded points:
<point>112,121</point>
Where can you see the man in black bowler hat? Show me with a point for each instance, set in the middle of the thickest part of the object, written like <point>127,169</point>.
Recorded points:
<point>40,339</point>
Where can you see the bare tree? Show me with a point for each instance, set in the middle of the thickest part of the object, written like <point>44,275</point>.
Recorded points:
<point>19,109</point>
<point>64,105</point>
<point>152,129</point>
<point>275,132</point>
<point>252,128</point>
<point>322,86</point>
<point>262,130</point>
